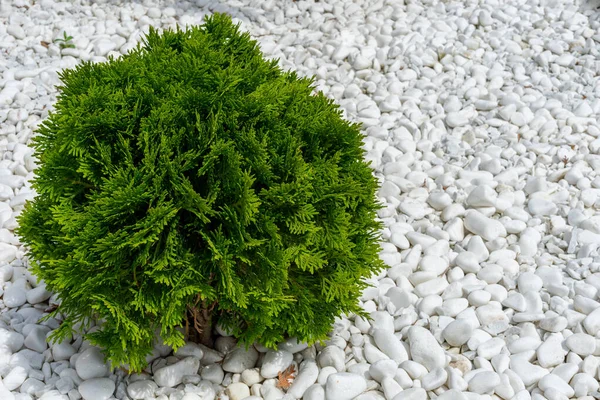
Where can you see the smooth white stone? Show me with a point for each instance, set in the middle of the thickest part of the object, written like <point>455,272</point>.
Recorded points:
<point>525,343</point>
<point>489,229</point>
<point>434,264</point>
<point>8,252</point>
<point>16,31</point>
<point>566,371</point>
<point>492,318</point>
<point>554,324</point>
<point>15,296</point>
<point>468,262</point>
<point>401,298</point>
<point>315,392</point>
<point>90,364</point>
<point>583,384</point>
<point>65,384</point>
<point>250,376</point>
<point>391,103</point>
<point>36,340</point>
<point>434,379</point>
<point>551,353</point>
<point>390,344</point>
<point>204,390</point>
<point>324,374</point>
<point>362,368</point>
<point>406,75</point>
<point>15,378</point>
<point>97,389</point>
<point>12,340</point>
<point>143,389</point>
<point>529,282</point>
<point>591,322</point>
<point>390,387</point>
<point>172,375</point>
<point>529,373</point>
<point>307,375</point>
<point>332,356</point>
<point>344,386</point>
<point>237,391</point>
<point>62,351</point>
<point>275,362</point>
<point>478,247</point>
<point>38,294</point>
<point>490,348</point>
<point>103,46</point>
<point>457,119</point>
<point>382,369</point>
<point>452,394</point>
<point>516,301</point>
<point>411,394</point>
<point>425,349</point>
<point>6,271</point>
<point>550,382</point>
<point>482,196</point>
<point>479,298</point>
<point>581,344</point>
<point>209,356</point>
<point>382,320</point>
<point>32,386</point>
<point>292,345</point>
<point>455,229</point>
<point>538,206</point>
<point>192,396</point>
<point>372,354</point>
<point>53,395</point>
<point>458,332</point>
<point>484,382</point>
<point>431,287</point>
<point>238,360</point>
<point>189,350</point>
<point>453,307</point>
<point>439,200</point>
<point>213,373</point>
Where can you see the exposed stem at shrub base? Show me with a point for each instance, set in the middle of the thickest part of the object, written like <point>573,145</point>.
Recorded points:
<point>200,319</point>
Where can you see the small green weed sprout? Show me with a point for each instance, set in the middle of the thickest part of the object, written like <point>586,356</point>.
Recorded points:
<point>65,41</point>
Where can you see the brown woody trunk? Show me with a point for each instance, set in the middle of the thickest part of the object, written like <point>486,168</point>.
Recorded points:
<point>198,327</point>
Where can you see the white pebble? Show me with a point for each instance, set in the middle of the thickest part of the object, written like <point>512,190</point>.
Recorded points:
<point>172,375</point>
<point>97,389</point>
<point>275,362</point>
<point>332,356</point>
<point>237,391</point>
<point>15,378</point>
<point>581,344</point>
<point>344,386</point>
<point>139,390</point>
<point>488,228</point>
<point>307,376</point>
<point>425,349</point>
<point>458,332</point>
<point>238,360</point>
<point>90,364</point>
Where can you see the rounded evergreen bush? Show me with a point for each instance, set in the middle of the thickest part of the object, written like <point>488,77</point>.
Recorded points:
<point>192,181</point>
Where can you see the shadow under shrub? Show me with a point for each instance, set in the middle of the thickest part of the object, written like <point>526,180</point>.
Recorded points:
<point>193,180</point>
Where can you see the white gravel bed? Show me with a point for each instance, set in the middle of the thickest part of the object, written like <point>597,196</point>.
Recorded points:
<point>483,128</point>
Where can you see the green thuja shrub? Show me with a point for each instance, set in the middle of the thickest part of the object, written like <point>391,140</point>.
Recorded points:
<point>192,181</point>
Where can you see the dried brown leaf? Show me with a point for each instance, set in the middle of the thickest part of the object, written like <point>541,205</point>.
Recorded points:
<point>51,308</point>
<point>285,378</point>
<point>45,44</point>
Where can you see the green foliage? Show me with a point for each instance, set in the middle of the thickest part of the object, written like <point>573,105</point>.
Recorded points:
<point>65,41</point>
<point>193,169</point>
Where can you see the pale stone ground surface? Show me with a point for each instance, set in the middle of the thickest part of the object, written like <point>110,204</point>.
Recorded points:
<point>482,124</point>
